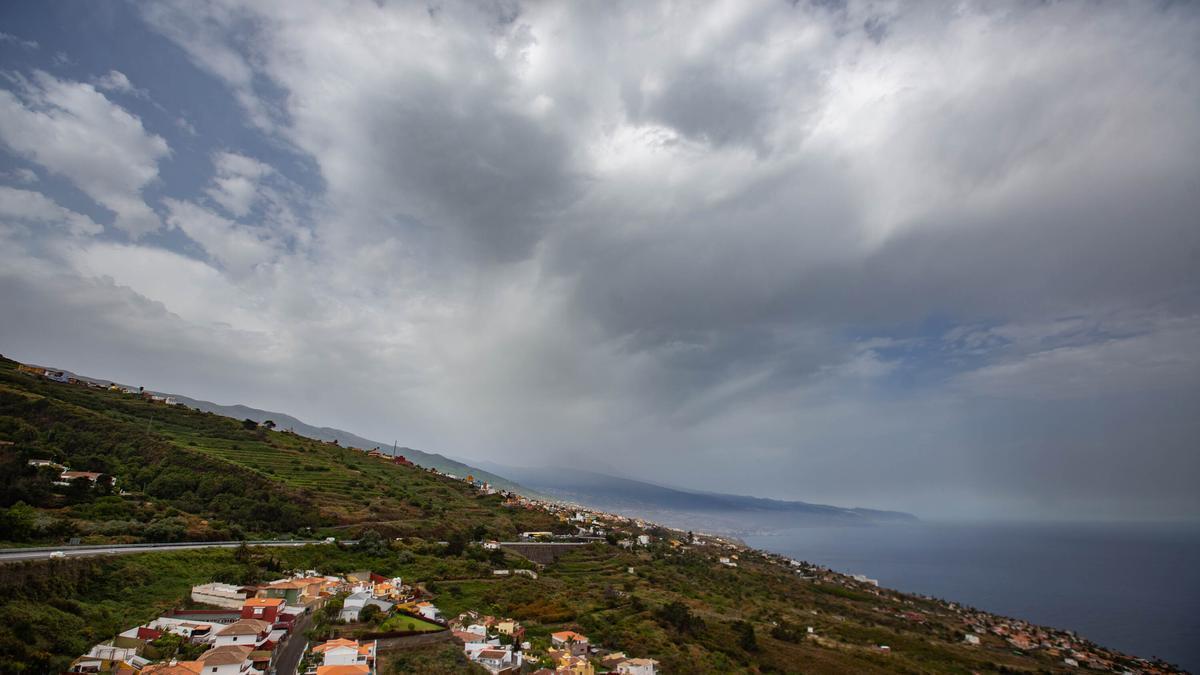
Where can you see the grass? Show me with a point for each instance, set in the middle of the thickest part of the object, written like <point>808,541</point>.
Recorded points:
<point>409,623</point>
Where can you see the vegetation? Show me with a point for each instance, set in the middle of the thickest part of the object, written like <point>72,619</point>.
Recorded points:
<point>182,474</point>
<point>186,475</point>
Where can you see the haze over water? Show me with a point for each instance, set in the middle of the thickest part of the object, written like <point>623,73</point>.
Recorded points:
<point>1135,587</point>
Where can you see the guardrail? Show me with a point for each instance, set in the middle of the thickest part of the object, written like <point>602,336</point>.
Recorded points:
<point>174,544</point>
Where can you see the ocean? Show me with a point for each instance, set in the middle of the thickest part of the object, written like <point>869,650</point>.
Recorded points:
<point>1132,587</point>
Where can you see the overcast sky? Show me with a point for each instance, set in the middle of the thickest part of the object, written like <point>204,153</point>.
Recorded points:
<point>935,257</point>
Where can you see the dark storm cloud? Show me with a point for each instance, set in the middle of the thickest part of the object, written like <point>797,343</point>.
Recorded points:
<point>910,258</point>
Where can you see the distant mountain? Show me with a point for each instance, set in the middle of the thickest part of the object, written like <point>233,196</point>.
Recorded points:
<point>284,421</point>
<point>691,509</point>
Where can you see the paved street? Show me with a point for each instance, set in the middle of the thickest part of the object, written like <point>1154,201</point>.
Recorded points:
<point>15,554</point>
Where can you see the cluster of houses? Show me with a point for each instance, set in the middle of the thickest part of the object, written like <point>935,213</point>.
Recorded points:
<point>67,476</point>
<point>241,629</point>
<point>64,377</point>
<point>498,645</point>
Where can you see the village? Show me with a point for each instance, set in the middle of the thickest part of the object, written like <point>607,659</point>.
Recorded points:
<point>318,623</point>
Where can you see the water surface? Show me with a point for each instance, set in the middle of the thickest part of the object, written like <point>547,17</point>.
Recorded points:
<point>1131,587</point>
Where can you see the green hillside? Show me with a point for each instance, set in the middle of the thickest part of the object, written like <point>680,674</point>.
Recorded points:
<point>194,475</point>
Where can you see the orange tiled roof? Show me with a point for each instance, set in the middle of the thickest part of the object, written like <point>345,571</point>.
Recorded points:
<point>343,670</point>
<point>180,668</point>
<point>340,642</point>
<point>262,602</point>
<point>565,635</point>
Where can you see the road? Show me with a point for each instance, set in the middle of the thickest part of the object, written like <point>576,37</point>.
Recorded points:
<point>42,553</point>
<point>293,647</point>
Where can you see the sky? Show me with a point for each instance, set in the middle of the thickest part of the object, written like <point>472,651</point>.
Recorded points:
<point>937,257</point>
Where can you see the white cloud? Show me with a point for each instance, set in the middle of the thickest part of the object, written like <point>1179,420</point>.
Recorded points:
<point>236,247</point>
<point>116,81</point>
<point>71,129</point>
<point>236,184</point>
<point>34,207</point>
<point>13,39</point>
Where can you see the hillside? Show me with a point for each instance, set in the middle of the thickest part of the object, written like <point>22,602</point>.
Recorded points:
<point>197,475</point>
<point>284,421</point>
<point>712,512</point>
<point>184,474</point>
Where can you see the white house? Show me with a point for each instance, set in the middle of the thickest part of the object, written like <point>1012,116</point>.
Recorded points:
<point>220,595</point>
<point>428,611</point>
<point>343,652</point>
<point>248,632</point>
<point>637,667</point>
<point>227,660</point>
<point>354,603</point>
<point>643,540</point>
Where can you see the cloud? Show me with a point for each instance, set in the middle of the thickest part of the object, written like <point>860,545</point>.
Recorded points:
<point>71,129</point>
<point>236,182</point>
<point>237,248</point>
<point>13,39</point>
<point>116,81</point>
<point>835,251</point>
<point>34,207</point>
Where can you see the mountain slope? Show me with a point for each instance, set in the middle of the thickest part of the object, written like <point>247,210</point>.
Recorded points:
<point>684,508</point>
<point>284,421</point>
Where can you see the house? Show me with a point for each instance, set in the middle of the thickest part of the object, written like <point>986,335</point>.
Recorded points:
<point>227,660</point>
<point>643,540</point>
<point>726,562</point>
<point>971,639</point>
<point>637,667</point>
<point>573,665</point>
<point>66,477</point>
<point>266,609</point>
<point>174,668</point>
<point>498,659</point>
<point>221,595</point>
<point>343,652</point>
<point>107,658</point>
<point>428,611</point>
<point>354,603</point>
<point>295,592</point>
<point>249,632</point>
<point>39,463</point>
<point>570,641</point>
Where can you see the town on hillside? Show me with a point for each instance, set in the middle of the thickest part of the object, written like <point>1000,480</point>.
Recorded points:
<point>325,622</point>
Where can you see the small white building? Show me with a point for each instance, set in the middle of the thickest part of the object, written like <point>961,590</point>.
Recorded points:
<point>248,632</point>
<point>428,611</point>
<point>971,639</point>
<point>637,667</point>
<point>643,540</point>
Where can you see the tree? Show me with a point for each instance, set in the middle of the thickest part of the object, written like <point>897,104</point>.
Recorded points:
<point>678,616</point>
<point>270,424</point>
<point>745,635</point>
<point>16,522</point>
<point>369,614</point>
<point>249,424</point>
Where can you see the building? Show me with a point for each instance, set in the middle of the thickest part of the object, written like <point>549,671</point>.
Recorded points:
<point>253,633</point>
<point>355,602</point>
<point>569,641</point>
<point>637,667</point>
<point>265,609</point>
<point>295,592</point>
<point>227,660</point>
<point>428,611</point>
<point>220,595</point>
<point>346,653</point>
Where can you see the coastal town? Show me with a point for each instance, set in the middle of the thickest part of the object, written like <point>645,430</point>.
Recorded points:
<point>336,622</point>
